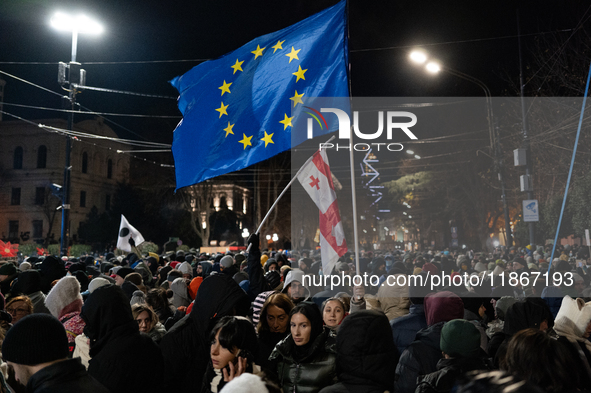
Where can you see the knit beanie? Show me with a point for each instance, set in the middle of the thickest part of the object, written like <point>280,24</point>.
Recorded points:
<point>97,283</point>
<point>138,297</point>
<point>124,271</point>
<point>24,266</point>
<point>35,339</point>
<point>66,291</point>
<point>460,338</point>
<point>135,278</point>
<point>227,261</point>
<point>273,279</point>
<point>8,269</point>
<point>185,268</point>
<point>246,382</point>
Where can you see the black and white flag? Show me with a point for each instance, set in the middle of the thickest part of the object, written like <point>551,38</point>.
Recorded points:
<point>126,231</point>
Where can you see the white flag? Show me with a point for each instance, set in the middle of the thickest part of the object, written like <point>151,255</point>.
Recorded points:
<point>316,179</point>
<point>126,231</point>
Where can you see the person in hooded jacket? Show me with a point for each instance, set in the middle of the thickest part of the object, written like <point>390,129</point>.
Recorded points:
<point>64,301</point>
<point>366,354</point>
<point>122,359</point>
<point>186,346</point>
<point>531,313</point>
<point>573,326</point>
<point>29,283</point>
<point>422,355</point>
<point>393,300</point>
<point>404,329</point>
<point>306,358</point>
<point>460,344</point>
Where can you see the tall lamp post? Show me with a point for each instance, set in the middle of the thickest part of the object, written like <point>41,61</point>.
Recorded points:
<point>76,76</point>
<point>434,67</point>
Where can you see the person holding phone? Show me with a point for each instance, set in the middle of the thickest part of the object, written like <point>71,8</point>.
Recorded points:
<point>306,359</point>
<point>233,345</point>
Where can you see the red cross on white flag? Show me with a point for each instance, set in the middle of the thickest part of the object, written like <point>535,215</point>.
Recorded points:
<point>316,179</point>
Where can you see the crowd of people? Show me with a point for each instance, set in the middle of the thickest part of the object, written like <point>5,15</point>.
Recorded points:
<point>251,322</point>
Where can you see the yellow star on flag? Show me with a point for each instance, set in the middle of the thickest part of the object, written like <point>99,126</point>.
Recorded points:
<point>246,140</point>
<point>225,88</point>
<point>267,139</point>
<point>222,110</point>
<point>300,73</point>
<point>229,129</point>
<point>278,45</point>
<point>258,51</point>
<point>286,121</point>
<point>297,99</point>
<point>293,54</point>
<point>237,66</point>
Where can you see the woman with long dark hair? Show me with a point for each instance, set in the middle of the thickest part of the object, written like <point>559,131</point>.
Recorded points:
<point>306,358</point>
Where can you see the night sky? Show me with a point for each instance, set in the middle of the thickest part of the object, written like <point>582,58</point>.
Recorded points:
<point>161,40</point>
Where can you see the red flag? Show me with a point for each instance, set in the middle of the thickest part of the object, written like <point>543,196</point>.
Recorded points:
<point>316,178</point>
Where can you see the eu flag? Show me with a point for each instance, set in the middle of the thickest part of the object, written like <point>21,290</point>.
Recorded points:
<point>240,109</point>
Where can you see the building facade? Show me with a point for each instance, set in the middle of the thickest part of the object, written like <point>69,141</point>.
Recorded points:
<point>32,158</point>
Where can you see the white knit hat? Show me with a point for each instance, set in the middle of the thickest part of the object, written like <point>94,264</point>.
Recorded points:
<point>185,268</point>
<point>245,383</point>
<point>97,282</point>
<point>574,314</point>
<point>66,291</point>
<point>24,266</point>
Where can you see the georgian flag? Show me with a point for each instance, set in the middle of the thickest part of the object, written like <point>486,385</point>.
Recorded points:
<point>316,179</point>
<point>126,230</point>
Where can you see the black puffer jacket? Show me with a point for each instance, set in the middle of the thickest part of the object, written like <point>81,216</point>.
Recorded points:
<point>366,354</point>
<point>186,346</point>
<point>314,371</point>
<point>122,359</point>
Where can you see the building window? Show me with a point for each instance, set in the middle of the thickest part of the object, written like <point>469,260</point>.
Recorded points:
<point>82,198</point>
<point>16,196</point>
<point>12,230</point>
<point>84,162</point>
<point>37,229</point>
<point>39,195</point>
<point>108,203</point>
<point>18,158</point>
<point>42,157</point>
<point>109,169</point>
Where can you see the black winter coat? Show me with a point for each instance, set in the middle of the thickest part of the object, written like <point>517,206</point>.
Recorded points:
<point>122,359</point>
<point>419,358</point>
<point>186,346</point>
<point>67,376</point>
<point>314,371</point>
<point>366,354</point>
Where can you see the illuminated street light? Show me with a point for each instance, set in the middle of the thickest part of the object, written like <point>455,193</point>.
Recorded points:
<point>417,156</point>
<point>418,57</point>
<point>275,237</point>
<point>268,237</point>
<point>433,67</point>
<point>74,24</point>
<point>410,152</point>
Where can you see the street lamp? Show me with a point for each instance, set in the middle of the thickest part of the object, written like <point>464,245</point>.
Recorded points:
<point>74,24</point>
<point>433,67</point>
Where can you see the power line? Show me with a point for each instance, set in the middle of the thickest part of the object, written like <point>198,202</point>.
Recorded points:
<point>91,113</point>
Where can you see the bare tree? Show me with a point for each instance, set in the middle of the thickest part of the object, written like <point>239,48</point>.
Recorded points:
<point>197,199</point>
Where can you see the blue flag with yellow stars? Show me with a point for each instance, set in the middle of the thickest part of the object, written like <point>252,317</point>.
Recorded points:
<point>240,109</point>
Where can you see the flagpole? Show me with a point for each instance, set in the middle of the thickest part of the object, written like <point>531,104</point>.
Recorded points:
<point>283,192</point>
<point>351,161</point>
